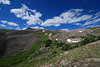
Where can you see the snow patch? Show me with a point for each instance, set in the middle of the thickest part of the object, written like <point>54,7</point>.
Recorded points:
<point>80,31</point>
<point>72,40</point>
<point>69,40</point>
<point>56,39</point>
<point>43,30</point>
<point>45,34</point>
<point>50,34</point>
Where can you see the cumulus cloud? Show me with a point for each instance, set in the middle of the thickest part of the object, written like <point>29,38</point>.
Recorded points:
<point>5,2</point>
<point>73,16</point>
<point>12,24</point>
<point>24,28</point>
<point>2,25</point>
<point>32,16</point>
<point>4,21</point>
<point>37,27</point>
<point>9,23</point>
<point>56,21</point>
<point>70,16</point>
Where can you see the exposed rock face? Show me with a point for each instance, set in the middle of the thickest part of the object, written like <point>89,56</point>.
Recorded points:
<point>13,42</point>
<point>3,43</point>
<point>3,46</point>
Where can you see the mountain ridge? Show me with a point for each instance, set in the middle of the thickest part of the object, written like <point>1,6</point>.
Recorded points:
<point>28,45</point>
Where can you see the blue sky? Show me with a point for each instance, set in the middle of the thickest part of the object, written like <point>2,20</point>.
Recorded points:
<point>49,14</point>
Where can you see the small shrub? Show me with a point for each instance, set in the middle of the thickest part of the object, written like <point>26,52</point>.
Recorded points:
<point>60,44</point>
<point>47,43</point>
<point>54,52</point>
<point>66,47</point>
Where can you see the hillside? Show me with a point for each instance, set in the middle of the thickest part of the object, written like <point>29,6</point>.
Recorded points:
<point>85,56</point>
<point>50,48</point>
<point>12,42</point>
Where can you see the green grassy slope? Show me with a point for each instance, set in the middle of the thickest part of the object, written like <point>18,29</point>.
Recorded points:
<point>88,55</point>
<point>23,56</point>
<point>54,55</point>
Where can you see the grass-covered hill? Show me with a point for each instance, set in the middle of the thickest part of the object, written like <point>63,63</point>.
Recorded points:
<point>49,48</point>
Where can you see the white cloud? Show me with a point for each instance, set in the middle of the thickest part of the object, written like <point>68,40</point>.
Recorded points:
<point>5,2</point>
<point>71,13</point>
<point>12,24</point>
<point>88,23</point>
<point>2,25</point>
<point>57,25</point>
<point>4,21</point>
<point>56,21</point>
<point>97,20</point>
<point>92,22</point>
<point>30,15</point>
<point>18,28</point>
<point>37,27</point>
<point>97,15</point>
<point>64,29</point>
<point>78,24</point>
<point>90,11</point>
<point>24,28</point>
<point>82,18</point>
<point>70,16</point>
<point>75,17</point>
<point>91,26</point>
<point>9,23</point>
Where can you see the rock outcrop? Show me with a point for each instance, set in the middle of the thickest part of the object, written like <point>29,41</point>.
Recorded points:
<point>12,42</point>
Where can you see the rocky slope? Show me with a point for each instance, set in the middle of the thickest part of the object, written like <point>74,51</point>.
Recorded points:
<point>12,42</point>
<point>77,33</point>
